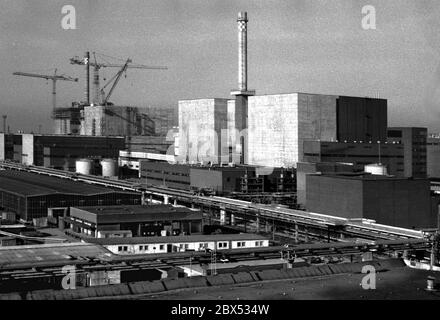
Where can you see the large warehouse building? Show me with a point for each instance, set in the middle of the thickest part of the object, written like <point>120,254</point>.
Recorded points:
<point>400,202</point>
<point>134,221</point>
<point>31,195</point>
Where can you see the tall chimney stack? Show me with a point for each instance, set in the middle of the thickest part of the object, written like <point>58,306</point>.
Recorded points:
<point>242,21</point>
<point>242,93</point>
<point>242,50</point>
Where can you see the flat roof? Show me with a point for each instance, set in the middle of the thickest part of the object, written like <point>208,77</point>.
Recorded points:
<point>134,209</point>
<point>366,177</point>
<point>176,239</point>
<point>133,213</point>
<point>32,184</point>
<point>45,253</point>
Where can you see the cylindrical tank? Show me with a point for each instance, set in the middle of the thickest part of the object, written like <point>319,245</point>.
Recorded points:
<point>109,167</point>
<point>376,169</point>
<point>83,166</point>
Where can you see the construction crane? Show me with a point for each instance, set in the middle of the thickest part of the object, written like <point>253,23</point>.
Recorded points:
<point>98,97</point>
<point>115,81</point>
<point>55,77</point>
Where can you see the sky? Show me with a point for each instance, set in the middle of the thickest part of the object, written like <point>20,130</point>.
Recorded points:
<point>312,46</point>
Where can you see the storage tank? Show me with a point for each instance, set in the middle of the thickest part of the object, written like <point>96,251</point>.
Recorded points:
<point>109,168</point>
<point>376,169</point>
<point>83,166</point>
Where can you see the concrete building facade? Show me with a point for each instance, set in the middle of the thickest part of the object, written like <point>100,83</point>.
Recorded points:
<point>400,202</point>
<point>414,142</point>
<point>201,125</point>
<point>115,121</point>
<point>433,157</point>
<point>31,195</point>
<point>57,151</point>
<point>165,118</point>
<point>280,124</point>
<point>358,154</point>
<point>136,221</point>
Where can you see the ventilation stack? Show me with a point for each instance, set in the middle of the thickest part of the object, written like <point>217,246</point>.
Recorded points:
<point>241,95</point>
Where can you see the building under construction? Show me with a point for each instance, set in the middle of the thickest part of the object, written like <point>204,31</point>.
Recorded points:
<point>96,115</point>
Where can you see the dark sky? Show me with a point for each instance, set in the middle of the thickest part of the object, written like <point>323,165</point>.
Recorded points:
<point>294,45</point>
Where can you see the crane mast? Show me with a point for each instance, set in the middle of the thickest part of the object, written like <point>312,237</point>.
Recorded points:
<point>98,96</point>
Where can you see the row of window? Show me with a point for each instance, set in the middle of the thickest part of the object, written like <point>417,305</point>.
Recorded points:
<point>220,245</point>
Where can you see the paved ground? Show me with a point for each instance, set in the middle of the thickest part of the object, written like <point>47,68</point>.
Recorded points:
<point>396,284</point>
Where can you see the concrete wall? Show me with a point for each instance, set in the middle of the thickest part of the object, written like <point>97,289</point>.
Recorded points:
<point>28,149</point>
<point>397,202</point>
<point>414,141</point>
<point>359,154</point>
<point>114,121</point>
<point>403,203</point>
<point>279,124</point>
<point>362,119</point>
<point>305,168</point>
<point>273,130</point>
<point>433,157</point>
<point>202,178</point>
<point>316,119</point>
<point>201,123</point>
<point>334,196</point>
<point>2,147</point>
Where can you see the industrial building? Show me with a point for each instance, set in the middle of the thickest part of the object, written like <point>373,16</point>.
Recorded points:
<point>214,130</point>
<point>218,179</point>
<point>155,148</point>
<point>305,168</point>
<point>132,160</point>
<point>414,141</point>
<point>280,124</point>
<point>165,119</point>
<point>433,156</point>
<point>112,120</point>
<point>57,151</point>
<point>359,154</point>
<point>68,120</point>
<point>148,245</point>
<point>202,124</point>
<point>133,221</point>
<point>150,144</point>
<point>31,195</point>
<point>400,202</point>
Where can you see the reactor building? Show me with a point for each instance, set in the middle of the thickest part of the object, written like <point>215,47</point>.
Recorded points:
<point>270,130</point>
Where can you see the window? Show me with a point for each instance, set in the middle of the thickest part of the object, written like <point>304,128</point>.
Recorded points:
<point>259,243</point>
<point>241,244</point>
<point>141,248</point>
<point>125,248</point>
<point>120,248</point>
<point>161,247</point>
<point>222,244</point>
